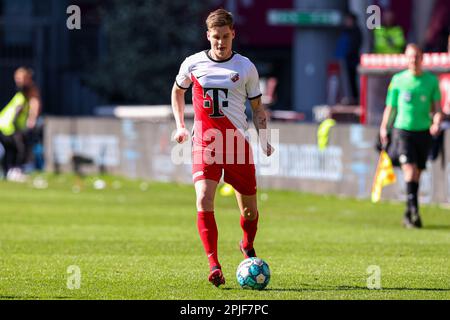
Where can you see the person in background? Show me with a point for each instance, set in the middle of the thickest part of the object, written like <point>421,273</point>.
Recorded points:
<point>16,120</point>
<point>414,98</point>
<point>348,53</point>
<point>389,38</point>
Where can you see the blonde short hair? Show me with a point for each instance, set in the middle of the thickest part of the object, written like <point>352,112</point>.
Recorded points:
<point>220,18</point>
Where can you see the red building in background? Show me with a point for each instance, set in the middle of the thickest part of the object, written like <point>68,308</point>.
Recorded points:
<point>251,23</point>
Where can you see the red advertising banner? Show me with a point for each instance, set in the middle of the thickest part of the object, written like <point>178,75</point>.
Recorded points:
<point>444,83</point>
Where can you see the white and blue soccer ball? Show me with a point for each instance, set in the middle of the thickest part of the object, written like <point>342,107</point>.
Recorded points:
<point>253,273</point>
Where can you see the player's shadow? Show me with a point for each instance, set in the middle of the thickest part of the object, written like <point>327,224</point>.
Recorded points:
<point>32,298</point>
<point>351,288</point>
<point>437,227</point>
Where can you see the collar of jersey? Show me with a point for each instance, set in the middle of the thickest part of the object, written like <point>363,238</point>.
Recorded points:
<point>219,61</point>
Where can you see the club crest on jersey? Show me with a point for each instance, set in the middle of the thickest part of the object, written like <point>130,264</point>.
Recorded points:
<point>234,77</point>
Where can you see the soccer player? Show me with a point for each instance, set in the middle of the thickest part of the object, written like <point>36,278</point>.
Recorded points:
<point>222,80</point>
<point>413,97</point>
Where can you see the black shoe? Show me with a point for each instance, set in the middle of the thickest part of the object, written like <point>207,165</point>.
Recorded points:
<point>406,222</point>
<point>415,219</point>
<point>247,253</point>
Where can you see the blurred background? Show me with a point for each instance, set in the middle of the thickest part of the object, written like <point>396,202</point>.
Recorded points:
<point>129,51</point>
<point>315,59</point>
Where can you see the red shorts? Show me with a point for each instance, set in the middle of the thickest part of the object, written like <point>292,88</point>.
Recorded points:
<point>238,173</point>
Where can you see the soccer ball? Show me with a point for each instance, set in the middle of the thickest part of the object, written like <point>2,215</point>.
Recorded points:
<point>253,273</point>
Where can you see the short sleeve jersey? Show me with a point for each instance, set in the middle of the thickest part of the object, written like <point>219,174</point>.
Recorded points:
<point>413,97</point>
<point>219,91</point>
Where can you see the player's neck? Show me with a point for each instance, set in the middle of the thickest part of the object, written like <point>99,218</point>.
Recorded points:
<point>215,57</point>
<point>416,72</point>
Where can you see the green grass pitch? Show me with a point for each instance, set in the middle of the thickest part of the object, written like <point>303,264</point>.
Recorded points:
<point>137,240</point>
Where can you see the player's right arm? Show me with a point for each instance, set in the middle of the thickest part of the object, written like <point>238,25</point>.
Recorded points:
<point>178,106</point>
<point>384,125</point>
<point>181,85</point>
<point>389,112</point>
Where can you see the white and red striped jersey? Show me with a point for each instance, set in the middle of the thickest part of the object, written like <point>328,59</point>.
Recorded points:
<point>219,91</point>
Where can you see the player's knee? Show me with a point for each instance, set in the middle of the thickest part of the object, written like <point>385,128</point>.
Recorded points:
<point>205,202</point>
<point>408,172</point>
<point>249,213</point>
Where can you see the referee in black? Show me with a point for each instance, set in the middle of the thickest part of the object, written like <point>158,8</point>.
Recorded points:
<point>413,100</point>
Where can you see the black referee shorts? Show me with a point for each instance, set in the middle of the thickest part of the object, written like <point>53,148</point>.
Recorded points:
<point>412,147</point>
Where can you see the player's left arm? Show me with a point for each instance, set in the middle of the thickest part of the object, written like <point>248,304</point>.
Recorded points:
<point>260,122</point>
<point>438,115</point>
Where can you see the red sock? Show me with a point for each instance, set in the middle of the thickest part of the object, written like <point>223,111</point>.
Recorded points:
<point>249,227</point>
<point>207,229</point>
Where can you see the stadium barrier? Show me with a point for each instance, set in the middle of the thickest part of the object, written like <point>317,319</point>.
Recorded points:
<point>144,149</point>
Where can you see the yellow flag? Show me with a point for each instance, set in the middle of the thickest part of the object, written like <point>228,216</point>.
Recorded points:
<point>384,176</point>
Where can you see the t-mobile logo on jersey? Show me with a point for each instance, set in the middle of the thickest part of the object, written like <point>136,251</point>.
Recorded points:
<point>217,113</point>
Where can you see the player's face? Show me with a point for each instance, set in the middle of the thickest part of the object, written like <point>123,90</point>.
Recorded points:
<point>414,57</point>
<point>22,79</point>
<point>221,39</point>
